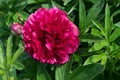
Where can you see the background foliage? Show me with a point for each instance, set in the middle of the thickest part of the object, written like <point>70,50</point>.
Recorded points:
<point>98,55</point>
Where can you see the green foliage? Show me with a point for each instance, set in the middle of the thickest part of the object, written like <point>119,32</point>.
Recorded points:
<point>82,15</point>
<point>107,21</point>
<point>95,10</point>
<point>2,56</point>
<point>42,74</point>
<point>63,72</point>
<point>97,58</point>
<point>8,69</point>
<point>87,72</point>
<point>9,50</point>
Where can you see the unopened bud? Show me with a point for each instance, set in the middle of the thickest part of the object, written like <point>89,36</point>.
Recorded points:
<point>16,28</point>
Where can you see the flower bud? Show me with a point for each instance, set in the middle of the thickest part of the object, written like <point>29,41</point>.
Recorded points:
<point>16,28</point>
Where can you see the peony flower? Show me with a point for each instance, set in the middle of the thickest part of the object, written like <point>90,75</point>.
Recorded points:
<point>16,28</point>
<point>49,36</point>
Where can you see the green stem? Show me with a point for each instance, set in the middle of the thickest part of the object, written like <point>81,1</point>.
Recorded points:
<point>112,67</point>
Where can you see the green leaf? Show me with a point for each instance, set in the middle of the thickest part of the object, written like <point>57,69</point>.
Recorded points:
<point>18,65</point>
<point>89,38</point>
<point>107,21</point>
<point>96,58</point>
<point>93,1</point>
<point>72,8</point>
<point>42,74</point>
<point>99,45</point>
<point>66,2</point>
<point>115,52</point>
<point>17,54</point>
<point>82,15</point>
<point>2,54</point>
<point>31,1</point>
<point>9,49</point>
<point>113,46</point>
<point>45,5</point>
<point>54,4</point>
<point>93,59</point>
<point>19,5</point>
<point>77,58</point>
<point>100,27</point>
<point>88,72</point>
<point>104,59</point>
<point>23,15</point>
<point>95,10</point>
<point>62,72</point>
<point>5,77</point>
<point>115,34</point>
<point>15,17</point>
<point>117,24</point>
<point>96,32</point>
<point>9,19</point>
<point>2,71</point>
<point>12,74</point>
<point>38,1</point>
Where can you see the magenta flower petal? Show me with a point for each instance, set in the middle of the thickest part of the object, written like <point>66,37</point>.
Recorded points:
<point>49,36</point>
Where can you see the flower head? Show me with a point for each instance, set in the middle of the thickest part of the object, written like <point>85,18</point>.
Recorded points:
<point>49,36</point>
<point>16,28</point>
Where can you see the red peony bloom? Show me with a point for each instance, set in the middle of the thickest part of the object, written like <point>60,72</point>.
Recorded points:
<point>49,36</point>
